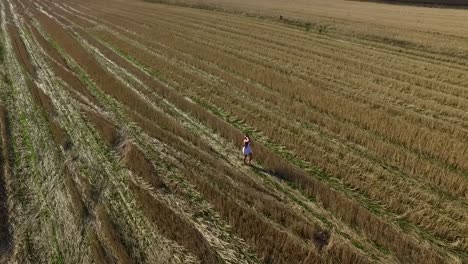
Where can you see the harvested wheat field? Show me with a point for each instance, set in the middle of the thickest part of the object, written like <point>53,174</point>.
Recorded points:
<point>121,127</point>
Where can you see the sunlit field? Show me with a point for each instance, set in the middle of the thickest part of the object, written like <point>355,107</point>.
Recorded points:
<point>121,127</point>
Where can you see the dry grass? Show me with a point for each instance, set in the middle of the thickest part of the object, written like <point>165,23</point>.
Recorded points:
<point>379,22</point>
<point>277,168</point>
<point>272,245</point>
<point>59,66</point>
<point>97,251</point>
<point>249,195</point>
<point>229,131</point>
<point>134,159</point>
<point>44,102</point>
<point>363,125</point>
<point>130,155</point>
<point>175,227</point>
<point>106,129</point>
<point>110,237</point>
<point>455,184</point>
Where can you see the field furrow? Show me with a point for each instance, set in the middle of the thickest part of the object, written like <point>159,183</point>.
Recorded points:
<point>121,125</point>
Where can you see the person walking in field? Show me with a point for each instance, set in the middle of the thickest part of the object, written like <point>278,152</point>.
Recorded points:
<point>247,150</point>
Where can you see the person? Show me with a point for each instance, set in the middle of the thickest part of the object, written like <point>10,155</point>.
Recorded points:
<point>247,150</point>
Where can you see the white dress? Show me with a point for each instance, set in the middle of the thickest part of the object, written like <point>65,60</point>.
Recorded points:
<point>246,149</point>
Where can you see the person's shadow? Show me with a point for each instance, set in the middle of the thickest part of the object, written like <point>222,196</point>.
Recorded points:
<point>261,170</point>
<point>277,174</point>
